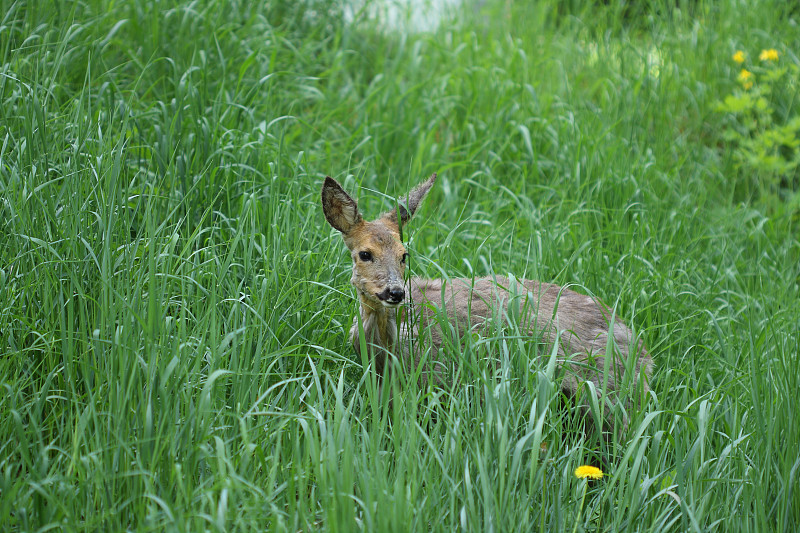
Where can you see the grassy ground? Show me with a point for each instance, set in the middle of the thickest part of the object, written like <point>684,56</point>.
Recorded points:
<point>174,308</point>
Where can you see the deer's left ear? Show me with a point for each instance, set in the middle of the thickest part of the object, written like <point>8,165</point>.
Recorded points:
<point>414,198</point>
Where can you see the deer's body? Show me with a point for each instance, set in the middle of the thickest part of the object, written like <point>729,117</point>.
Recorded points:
<point>396,332</point>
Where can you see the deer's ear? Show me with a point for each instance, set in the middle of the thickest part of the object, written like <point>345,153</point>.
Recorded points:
<point>340,210</point>
<point>414,198</point>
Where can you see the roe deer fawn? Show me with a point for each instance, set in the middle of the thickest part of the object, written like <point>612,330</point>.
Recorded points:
<point>403,333</point>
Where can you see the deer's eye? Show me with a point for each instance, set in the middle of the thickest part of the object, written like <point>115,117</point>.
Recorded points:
<point>365,256</point>
<point>404,258</point>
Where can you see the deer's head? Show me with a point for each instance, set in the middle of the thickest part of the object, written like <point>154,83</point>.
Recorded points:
<point>379,257</point>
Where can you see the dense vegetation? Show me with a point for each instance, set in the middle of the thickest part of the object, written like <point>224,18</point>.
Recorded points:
<point>174,308</point>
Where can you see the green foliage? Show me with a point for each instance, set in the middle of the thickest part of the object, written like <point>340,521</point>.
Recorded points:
<point>763,129</point>
<point>174,308</point>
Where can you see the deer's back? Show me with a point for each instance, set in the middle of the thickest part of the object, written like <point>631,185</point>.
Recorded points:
<point>544,310</point>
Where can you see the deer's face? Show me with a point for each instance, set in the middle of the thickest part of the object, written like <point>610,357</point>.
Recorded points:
<point>379,261</point>
<point>379,257</point>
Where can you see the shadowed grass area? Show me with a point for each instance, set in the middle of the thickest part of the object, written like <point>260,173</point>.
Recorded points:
<point>174,308</point>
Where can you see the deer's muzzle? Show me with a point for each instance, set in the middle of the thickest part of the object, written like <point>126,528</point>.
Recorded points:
<point>391,295</point>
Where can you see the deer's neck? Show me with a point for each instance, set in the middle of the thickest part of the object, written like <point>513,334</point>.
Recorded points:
<point>381,323</point>
<point>380,332</point>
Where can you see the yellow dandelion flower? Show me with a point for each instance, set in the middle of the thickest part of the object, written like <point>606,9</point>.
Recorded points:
<point>769,55</point>
<point>745,76</point>
<point>747,85</point>
<point>588,471</point>
<point>738,56</point>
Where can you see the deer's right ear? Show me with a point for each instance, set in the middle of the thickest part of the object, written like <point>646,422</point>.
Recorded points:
<point>340,210</point>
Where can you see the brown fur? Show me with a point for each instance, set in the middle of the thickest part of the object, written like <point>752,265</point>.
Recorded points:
<point>470,304</point>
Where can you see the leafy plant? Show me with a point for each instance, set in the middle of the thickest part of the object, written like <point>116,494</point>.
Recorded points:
<point>764,126</point>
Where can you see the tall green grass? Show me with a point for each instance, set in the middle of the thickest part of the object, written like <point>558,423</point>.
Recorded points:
<point>174,308</point>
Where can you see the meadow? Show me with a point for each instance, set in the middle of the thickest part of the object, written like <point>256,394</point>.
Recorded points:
<point>174,308</point>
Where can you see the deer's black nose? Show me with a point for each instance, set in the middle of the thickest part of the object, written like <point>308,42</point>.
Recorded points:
<point>392,295</point>
<point>396,295</point>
